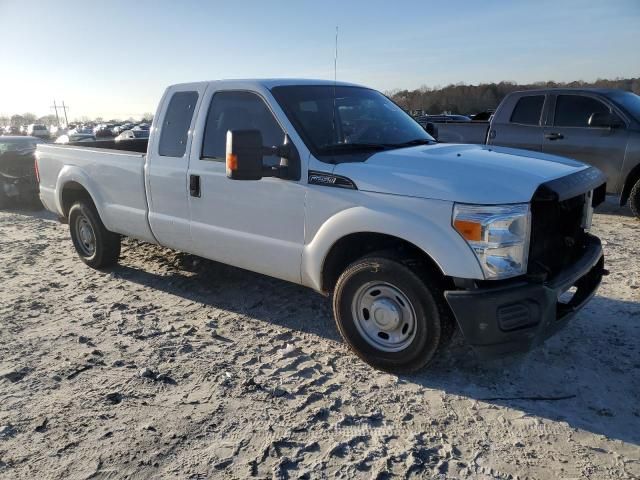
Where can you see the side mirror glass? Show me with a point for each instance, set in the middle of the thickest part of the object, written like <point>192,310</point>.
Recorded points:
<point>244,155</point>
<point>605,120</point>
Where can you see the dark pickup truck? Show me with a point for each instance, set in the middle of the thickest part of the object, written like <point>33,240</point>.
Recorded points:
<point>600,127</point>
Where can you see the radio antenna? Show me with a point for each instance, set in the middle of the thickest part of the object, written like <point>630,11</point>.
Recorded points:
<point>335,79</point>
<point>335,59</point>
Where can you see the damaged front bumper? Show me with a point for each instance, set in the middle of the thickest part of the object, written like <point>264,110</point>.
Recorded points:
<point>519,315</point>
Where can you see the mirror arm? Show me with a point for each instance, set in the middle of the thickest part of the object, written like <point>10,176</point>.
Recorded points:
<point>278,171</point>
<point>282,151</point>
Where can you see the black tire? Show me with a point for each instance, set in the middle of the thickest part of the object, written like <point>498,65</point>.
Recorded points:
<point>634,199</point>
<point>85,224</point>
<point>426,301</point>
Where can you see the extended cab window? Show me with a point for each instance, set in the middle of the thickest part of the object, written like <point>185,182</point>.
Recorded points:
<point>528,110</point>
<point>175,126</point>
<point>234,110</point>
<point>575,110</point>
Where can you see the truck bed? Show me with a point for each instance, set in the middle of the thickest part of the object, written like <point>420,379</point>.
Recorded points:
<point>116,178</point>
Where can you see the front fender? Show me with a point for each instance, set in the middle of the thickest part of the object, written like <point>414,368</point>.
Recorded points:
<point>424,223</point>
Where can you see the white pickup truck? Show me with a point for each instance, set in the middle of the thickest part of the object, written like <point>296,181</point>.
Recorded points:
<point>332,186</point>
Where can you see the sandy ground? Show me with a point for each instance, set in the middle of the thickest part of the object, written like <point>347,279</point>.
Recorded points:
<point>173,366</point>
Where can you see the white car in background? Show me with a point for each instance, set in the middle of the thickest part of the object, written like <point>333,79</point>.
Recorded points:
<point>37,130</point>
<point>132,134</point>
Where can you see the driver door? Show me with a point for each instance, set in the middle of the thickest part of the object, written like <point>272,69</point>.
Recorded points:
<point>256,225</point>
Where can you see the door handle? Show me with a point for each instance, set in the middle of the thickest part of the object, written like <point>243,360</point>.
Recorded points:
<point>194,185</point>
<point>554,136</point>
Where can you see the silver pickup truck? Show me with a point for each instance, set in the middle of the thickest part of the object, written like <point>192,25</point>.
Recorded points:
<point>600,127</point>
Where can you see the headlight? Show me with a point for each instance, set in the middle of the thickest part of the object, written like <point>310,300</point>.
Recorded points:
<point>498,235</point>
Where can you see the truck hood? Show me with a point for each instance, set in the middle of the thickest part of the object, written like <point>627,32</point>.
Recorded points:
<point>482,174</point>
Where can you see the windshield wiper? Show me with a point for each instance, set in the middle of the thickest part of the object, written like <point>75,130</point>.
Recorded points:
<point>410,143</point>
<point>349,147</point>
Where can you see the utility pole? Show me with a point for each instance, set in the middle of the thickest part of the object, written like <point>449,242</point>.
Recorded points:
<point>55,107</point>
<point>64,109</point>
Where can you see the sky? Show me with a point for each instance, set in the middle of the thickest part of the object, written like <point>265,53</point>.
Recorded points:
<point>114,58</point>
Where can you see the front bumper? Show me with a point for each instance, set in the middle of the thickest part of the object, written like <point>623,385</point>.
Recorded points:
<point>521,315</point>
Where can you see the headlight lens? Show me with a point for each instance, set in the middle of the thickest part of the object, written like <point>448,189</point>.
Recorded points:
<point>498,235</point>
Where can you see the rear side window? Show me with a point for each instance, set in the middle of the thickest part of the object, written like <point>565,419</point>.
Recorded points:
<point>175,126</point>
<point>234,110</point>
<point>528,110</point>
<point>575,110</point>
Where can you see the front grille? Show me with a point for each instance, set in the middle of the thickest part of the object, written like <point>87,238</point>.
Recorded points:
<point>557,237</point>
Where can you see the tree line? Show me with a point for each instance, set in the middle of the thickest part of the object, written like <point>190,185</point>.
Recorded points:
<point>469,99</point>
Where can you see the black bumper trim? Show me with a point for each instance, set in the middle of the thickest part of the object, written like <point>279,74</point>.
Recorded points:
<point>519,316</point>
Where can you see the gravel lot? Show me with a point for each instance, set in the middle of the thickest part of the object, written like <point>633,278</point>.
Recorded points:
<point>173,366</point>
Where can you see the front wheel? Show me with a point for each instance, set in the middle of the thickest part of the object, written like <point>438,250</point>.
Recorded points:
<point>96,246</point>
<point>389,316</point>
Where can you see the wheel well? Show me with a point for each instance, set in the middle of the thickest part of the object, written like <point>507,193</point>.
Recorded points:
<point>356,245</point>
<point>72,193</point>
<point>632,178</point>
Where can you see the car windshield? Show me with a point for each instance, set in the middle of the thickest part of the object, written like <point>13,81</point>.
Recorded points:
<point>341,120</point>
<point>628,101</point>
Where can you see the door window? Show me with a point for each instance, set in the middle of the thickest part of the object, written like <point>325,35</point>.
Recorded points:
<point>175,126</point>
<point>528,110</point>
<point>239,111</point>
<point>575,110</point>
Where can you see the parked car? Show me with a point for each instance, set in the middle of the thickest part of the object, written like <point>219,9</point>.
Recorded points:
<point>75,137</point>
<point>38,130</point>
<point>334,187</point>
<point>81,131</point>
<point>103,130</point>
<point>18,183</point>
<point>12,130</point>
<point>600,127</point>
<point>131,134</point>
<point>484,116</point>
<point>424,119</point>
<point>142,126</point>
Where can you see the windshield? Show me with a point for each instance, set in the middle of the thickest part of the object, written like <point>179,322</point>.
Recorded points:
<point>362,119</point>
<point>628,101</point>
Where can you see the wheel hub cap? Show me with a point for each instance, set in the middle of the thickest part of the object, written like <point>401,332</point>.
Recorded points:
<point>86,236</point>
<point>384,316</point>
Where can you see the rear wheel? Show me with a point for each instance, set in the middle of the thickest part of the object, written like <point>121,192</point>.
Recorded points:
<point>96,246</point>
<point>390,317</point>
<point>634,199</point>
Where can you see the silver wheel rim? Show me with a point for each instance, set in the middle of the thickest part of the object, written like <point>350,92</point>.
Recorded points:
<point>86,236</point>
<point>384,316</point>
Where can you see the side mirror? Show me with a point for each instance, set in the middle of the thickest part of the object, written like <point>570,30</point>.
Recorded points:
<point>604,120</point>
<point>432,129</point>
<point>245,153</point>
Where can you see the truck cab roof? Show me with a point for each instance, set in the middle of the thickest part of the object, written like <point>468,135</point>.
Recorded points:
<point>268,83</point>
